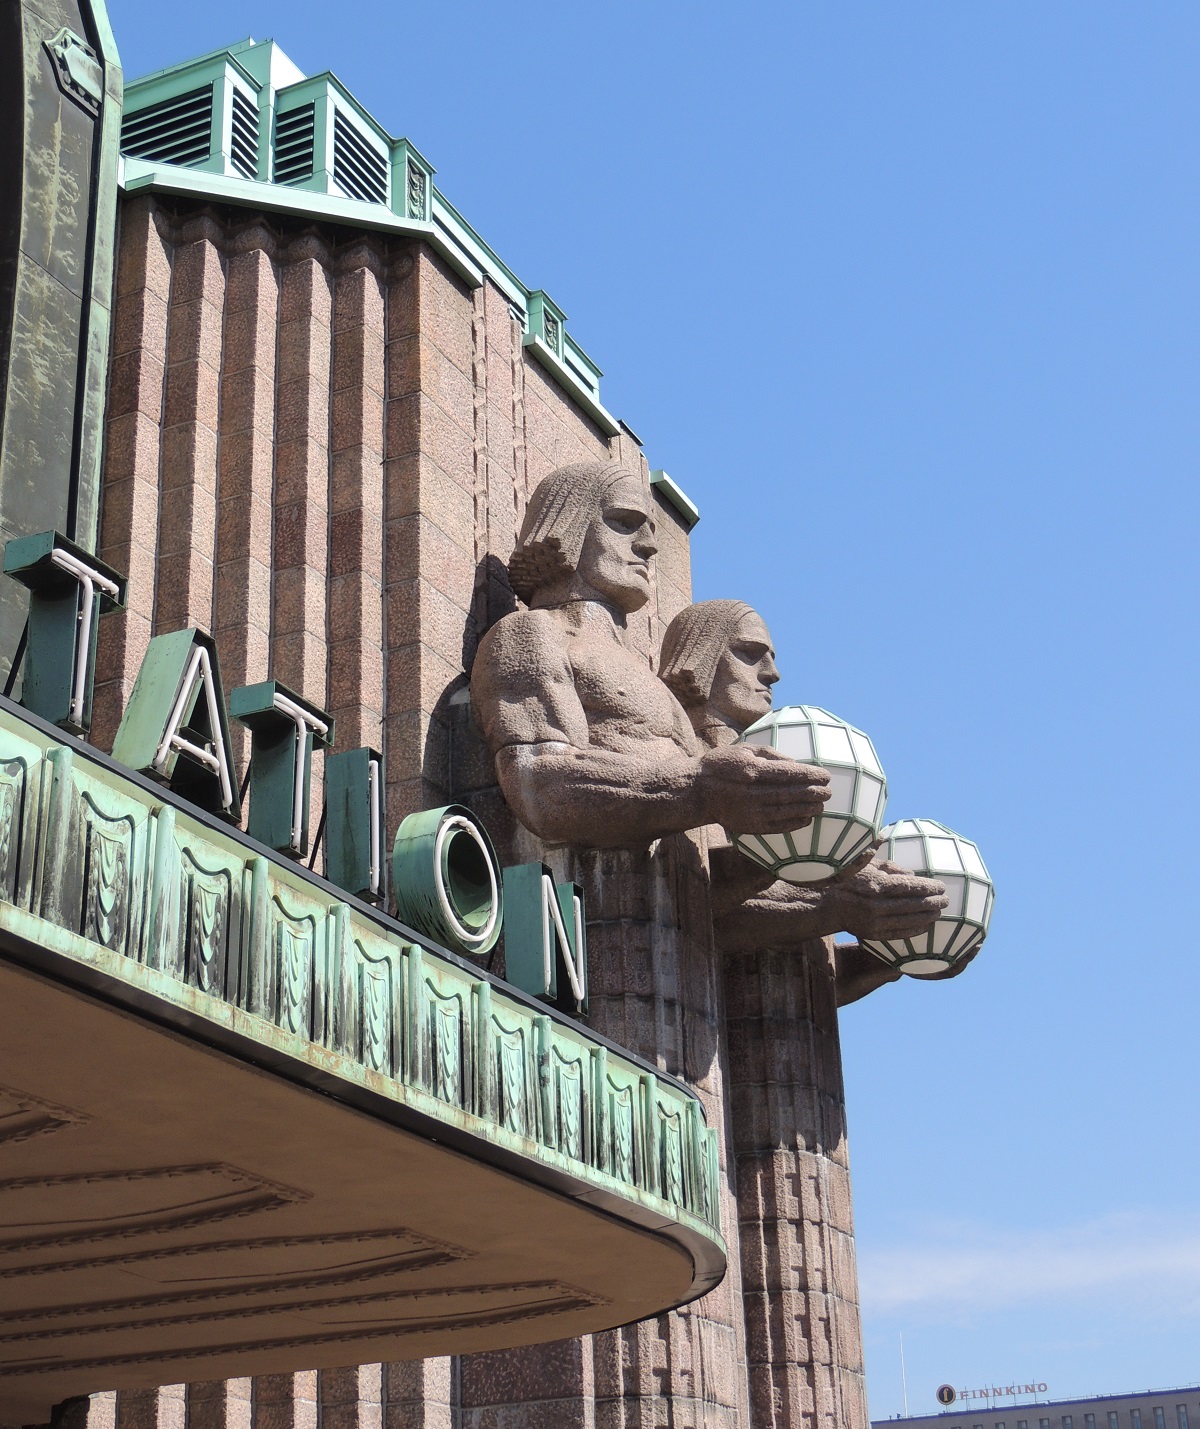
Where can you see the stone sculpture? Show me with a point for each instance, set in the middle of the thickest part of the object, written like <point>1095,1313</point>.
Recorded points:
<point>591,749</point>
<point>594,751</point>
<point>718,658</point>
<point>596,756</point>
<point>783,980</point>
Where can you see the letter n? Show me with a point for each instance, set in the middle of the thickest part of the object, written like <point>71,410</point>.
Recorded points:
<point>545,937</point>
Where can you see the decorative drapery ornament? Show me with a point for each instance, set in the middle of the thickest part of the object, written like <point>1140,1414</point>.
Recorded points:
<point>931,849</point>
<point>850,820</point>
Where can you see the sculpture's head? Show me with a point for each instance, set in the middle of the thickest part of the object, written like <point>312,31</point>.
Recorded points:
<point>718,660</point>
<point>588,533</point>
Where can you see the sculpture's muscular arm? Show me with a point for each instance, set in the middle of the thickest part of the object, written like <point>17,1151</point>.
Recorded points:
<point>871,899</point>
<point>568,789</point>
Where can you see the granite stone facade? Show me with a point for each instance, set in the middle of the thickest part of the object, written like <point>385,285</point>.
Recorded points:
<point>320,446</point>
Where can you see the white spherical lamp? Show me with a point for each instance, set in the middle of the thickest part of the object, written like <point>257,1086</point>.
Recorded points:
<point>849,822</point>
<point>932,850</point>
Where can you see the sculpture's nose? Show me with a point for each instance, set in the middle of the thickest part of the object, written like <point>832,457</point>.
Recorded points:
<point>644,543</point>
<point>770,671</point>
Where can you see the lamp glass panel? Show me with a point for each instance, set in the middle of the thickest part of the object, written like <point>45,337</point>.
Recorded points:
<point>833,744</point>
<point>955,892</point>
<point>943,855</point>
<point>794,740</point>
<point>977,898</point>
<point>805,872</point>
<point>866,804</point>
<point>778,845</point>
<point>831,830</point>
<point>943,934</point>
<point>841,791</point>
<point>971,860</point>
<point>925,967</point>
<point>966,939</point>
<point>908,853</point>
<point>760,736</point>
<point>863,752</point>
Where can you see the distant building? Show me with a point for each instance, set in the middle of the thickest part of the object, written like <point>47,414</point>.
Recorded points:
<point>1153,1409</point>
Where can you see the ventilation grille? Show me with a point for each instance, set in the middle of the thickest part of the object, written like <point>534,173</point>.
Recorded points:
<point>294,145</point>
<point>244,146</point>
<point>175,131</point>
<point>356,166</point>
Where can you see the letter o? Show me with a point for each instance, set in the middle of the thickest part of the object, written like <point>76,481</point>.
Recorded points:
<point>446,879</point>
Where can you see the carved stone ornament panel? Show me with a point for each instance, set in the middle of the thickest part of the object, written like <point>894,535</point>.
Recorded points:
<point>78,70</point>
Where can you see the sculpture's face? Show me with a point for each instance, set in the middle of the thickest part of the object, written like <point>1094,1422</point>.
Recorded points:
<point>615,560</point>
<point>741,690</point>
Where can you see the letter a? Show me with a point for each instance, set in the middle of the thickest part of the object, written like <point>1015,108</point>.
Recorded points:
<point>175,727</point>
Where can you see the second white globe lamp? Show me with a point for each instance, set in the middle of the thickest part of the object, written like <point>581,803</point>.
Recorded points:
<point>851,819</point>
<point>925,847</point>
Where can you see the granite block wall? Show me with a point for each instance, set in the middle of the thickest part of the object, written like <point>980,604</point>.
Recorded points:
<point>320,445</point>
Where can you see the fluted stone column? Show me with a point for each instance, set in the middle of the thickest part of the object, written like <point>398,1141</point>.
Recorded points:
<point>655,989</point>
<point>800,1284</point>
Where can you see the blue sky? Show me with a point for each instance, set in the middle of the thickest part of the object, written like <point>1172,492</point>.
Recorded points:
<point>905,296</point>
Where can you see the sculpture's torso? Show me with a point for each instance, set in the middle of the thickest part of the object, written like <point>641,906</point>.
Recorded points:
<point>608,697</point>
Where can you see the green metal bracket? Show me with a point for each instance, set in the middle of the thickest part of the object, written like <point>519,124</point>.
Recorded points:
<point>446,879</point>
<point>354,822</point>
<point>283,731</point>
<point>175,727</point>
<point>69,591</point>
<point>545,936</point>
<point>670,491</point>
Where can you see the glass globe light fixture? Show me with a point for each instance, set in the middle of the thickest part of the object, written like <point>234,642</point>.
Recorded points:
<point>849,822</point>
<point>932,850</point>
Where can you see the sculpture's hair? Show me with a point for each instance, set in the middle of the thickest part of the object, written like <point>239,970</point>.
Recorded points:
<point>559,513</point>
<point>693,645</point>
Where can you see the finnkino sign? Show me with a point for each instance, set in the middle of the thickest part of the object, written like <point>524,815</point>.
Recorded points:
<point>947,1394</point>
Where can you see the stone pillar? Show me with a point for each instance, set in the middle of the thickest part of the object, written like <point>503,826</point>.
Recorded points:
<point>242,622</point>
<point>429,524</point>
<point>300,634</point>
<point>219,1404</point>
<point>350,1398</point>
<point>284,1401</point>
<point>129,533</point>
<point>188,523</point>
<point>655,990</point>
<point>356,502</point>
<point>800,1284</point>
<point>420,1395</point>
<point>164,1408</point>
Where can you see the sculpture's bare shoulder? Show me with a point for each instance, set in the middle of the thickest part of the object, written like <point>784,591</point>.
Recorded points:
<point>523,685</point>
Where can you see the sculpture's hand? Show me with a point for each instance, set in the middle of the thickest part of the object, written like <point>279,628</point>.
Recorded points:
<point>877,899</point>
<point>859,972</point>
<point>759,791</point>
